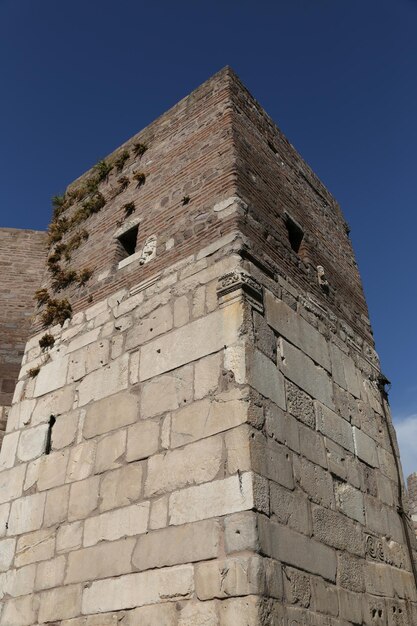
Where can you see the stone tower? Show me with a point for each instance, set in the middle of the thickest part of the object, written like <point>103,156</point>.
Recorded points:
<point>200,433</point>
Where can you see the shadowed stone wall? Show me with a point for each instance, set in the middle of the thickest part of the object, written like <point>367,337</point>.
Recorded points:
<point>412,494</point>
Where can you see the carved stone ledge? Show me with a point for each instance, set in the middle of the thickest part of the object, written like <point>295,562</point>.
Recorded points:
<point>242,283</point>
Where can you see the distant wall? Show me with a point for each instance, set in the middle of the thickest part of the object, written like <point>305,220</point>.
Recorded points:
<point>22,263</point>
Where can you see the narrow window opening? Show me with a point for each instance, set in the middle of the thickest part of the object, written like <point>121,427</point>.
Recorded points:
<point>48,445</point>
<point>272,147</point>
<point>128,241</point>
<point>295,233</point>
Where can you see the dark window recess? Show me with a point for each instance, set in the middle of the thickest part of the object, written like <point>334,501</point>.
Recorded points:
<point>128,241</point>
<point>295,233</point>
<point>48,445</point>
<point>272,147</point>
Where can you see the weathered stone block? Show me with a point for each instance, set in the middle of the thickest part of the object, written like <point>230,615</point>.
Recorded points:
<point>55,403</point>
<point>325,596</point>
<point>105,381</point>
<point>198,614</point>
<point>338,531</point>
<point>282,427</point>
<point>8,450</point>
<point>297,587</point>
<point>50,573</point>
<point>164,614</point>
<point>52,470</point>
<point>191,342</point>
<point>181,311</point>
<point>376,516</point>
<point>167,393</point>
<point>178,544</point>
<point>65,430</point>
<point>272,460</point>
<point>83,340</point>
<point>19,582</point>
<point>37,546</point>
<point>334,427</point>
<point>291,508</point>
<point>134,590</point>
<point>52,376</point>
<point>378,579</point>
<point>20,414</point>
<point>241,532</point>
<point>300,404</point>
<point>19,612</point>
<point>158,517</point>
<point>88,359</point>
<point>350,501</point>
<point>266,378</point>
<point>81,461</point>
<point>110,451</point>
<point>233,576</point>
<point>238,448</point>
<point>248,610</point>
<point>121,487</point>
<point>56,506</point>
<point>315,481</point>
<point>101,561</point>
<point>350,572</point>
<point>302,371</point>
<point>83,498</point>
<point>295,329</point>
<point>312,446</point>
<point>208,417</point>
<point>211,499</point>
<point>111,413</point>
<point>197,463</point>
<point>365,447</point>
<point>127,521</point>
<point>60,603</point>
<point>142,440</point>
<point>235,362</point>
<point>159,322</point>
<point>206,376</point>
<point>4,516</point>
<point>69,537</point>
<point>11,483</point>
<point>286,545</point>
<point>7,550</point>
<point>26,514</point>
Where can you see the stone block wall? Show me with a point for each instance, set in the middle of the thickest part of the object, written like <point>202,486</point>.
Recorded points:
<point>412,495</point>
<point>215,459</point>
<point>22,265</point>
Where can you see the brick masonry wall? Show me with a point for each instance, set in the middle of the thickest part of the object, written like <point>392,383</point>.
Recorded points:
<point>22,263</point>
<point>273,180</point>
<point>190,153</point>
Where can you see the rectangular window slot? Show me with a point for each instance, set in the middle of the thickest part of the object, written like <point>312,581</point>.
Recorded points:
<point>48,445</point>
<point>128,240</point>
<point>295,233</point>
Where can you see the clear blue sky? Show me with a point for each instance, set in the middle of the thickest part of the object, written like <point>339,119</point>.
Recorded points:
<point>338,76</point>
